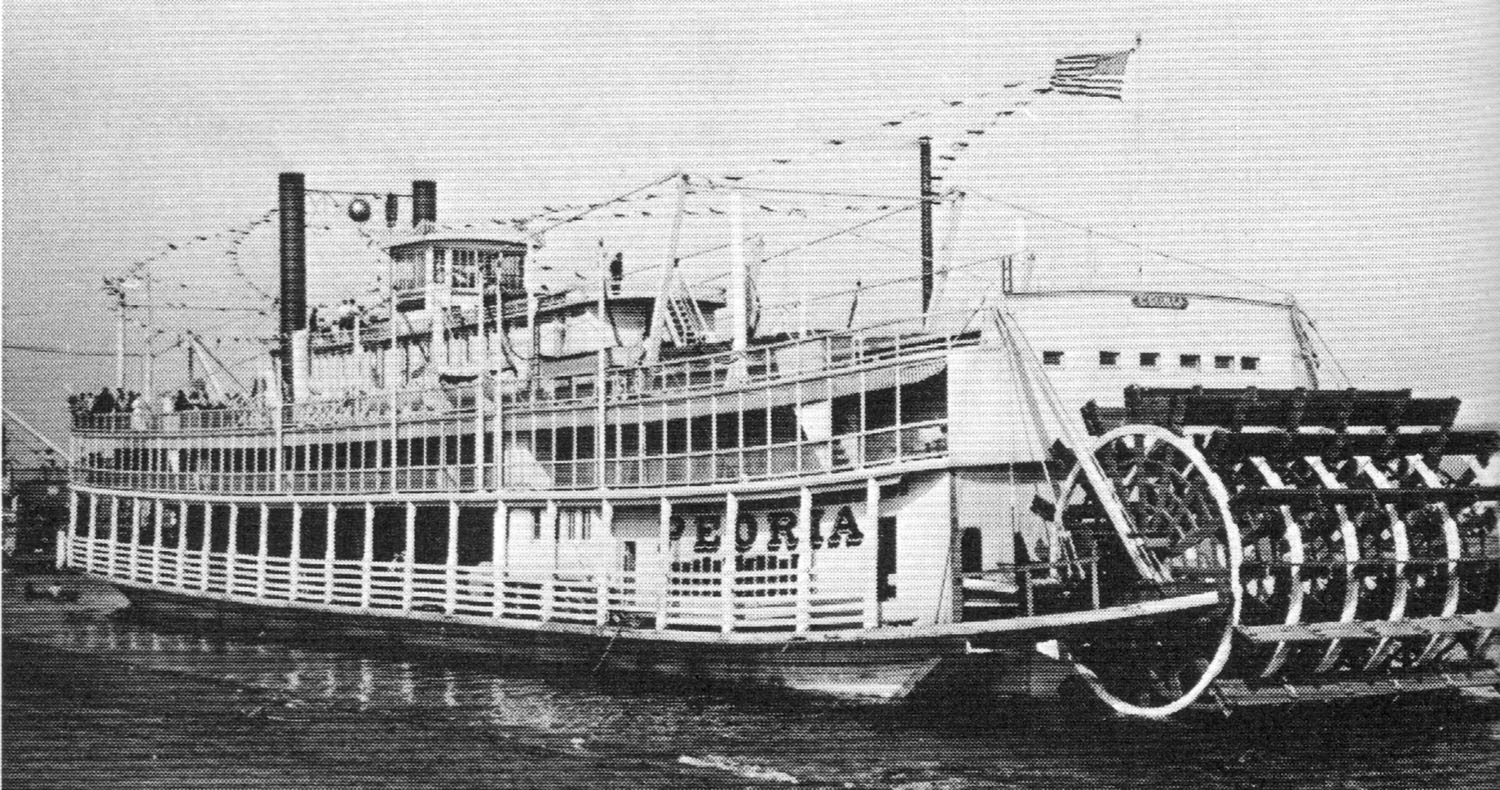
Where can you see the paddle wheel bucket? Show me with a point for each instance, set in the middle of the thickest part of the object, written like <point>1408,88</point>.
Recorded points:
<point>1352,536</point>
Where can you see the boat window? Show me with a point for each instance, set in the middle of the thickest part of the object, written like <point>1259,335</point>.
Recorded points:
<point>583,442</point>
<point>880,408</point>
<point>410,271</point>
<point>1149,358</point>
<point>702,432</point>
<point>1109,358</point>
<point>755,428</point>
<point>783,424</point>
<point>465,268</point>
<point>489,265</point>
<point>449,448</point>
<point>1223,362</point>
<point>543,444</point>
<point>1052,357</point>
<point>677,435</point>
<point>630,441</point>
<point>466,449</point>
<point>577,523</point>
<point>1189,360</point>
<point>1249,363</point>
<point>439,265</point>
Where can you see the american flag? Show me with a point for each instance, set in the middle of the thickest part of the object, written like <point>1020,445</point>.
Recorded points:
<point>1091,75</point>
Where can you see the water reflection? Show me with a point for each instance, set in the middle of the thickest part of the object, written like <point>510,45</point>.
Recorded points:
<point>657,735</point>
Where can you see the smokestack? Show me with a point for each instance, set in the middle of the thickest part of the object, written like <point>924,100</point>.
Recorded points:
<point>293,211</point>
<point>423,202</point>
<point>924,145</point>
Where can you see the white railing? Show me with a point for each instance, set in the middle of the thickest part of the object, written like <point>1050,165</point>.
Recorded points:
<point>876,447</point>
<point>767,595</point>
<point>802,357</point>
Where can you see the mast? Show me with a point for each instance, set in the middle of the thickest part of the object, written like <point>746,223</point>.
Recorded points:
<point>924,148</point>
<point>739,282</point>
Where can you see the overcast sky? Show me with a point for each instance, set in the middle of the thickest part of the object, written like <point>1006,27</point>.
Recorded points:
<point>1345,154</point>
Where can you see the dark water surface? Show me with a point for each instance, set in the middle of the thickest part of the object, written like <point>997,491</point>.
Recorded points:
<point>100,702</point>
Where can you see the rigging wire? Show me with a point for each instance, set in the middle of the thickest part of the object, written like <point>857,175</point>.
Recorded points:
<point>595,207</point>
<point>1092,231</point>
<point>1327,348</point>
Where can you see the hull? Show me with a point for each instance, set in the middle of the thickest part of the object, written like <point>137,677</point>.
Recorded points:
<point>873,670</point>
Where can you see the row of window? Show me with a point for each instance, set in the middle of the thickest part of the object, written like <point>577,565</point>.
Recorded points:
<point>457,267</point>
<point>1152,359</point>
<point>848,414</point>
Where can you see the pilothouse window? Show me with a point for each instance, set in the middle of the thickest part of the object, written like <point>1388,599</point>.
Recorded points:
<point>465,268</point>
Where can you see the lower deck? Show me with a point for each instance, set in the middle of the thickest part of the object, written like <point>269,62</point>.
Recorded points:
<point>850,557</point>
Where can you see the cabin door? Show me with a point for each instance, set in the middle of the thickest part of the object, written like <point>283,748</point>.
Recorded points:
<point>627,556</point>
<point>885,556</point>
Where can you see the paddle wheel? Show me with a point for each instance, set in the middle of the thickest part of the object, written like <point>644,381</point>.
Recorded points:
<point>1351,537</point>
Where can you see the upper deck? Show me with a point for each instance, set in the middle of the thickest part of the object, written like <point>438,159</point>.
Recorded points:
<point>797,407</point>
<point>904,394</point>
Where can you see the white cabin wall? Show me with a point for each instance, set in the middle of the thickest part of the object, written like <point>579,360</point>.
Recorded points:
<point>528,551</point>
<point>922,547</point>
<point>997,415</point>
<point>579,554</point>
<point>998,503</point>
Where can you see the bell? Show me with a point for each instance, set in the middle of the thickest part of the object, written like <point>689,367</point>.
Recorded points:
<point>359,210</point>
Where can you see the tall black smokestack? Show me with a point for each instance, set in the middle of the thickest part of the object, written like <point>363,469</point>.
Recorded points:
<point>423,202</point>
<point>924,146</point>
<point>293,210</point>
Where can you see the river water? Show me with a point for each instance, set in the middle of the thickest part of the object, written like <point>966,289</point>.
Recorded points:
<point>95,700</point>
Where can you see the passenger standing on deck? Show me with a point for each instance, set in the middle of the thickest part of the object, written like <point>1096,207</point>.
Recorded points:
<point>105,403</point>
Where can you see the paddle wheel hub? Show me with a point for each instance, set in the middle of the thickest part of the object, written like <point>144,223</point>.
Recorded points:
<point>1351,535</point>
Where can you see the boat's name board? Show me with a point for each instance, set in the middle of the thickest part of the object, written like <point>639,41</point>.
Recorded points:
<point>1160,301</point>
<point>780,525</point>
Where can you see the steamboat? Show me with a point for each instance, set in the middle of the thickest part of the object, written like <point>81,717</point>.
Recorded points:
<point>1144,495</point>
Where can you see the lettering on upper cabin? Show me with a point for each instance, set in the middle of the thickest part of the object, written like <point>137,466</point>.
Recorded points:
<point>1160,301</point>
<point>845,530</point>
<point>709,526</point>
<point>781,530</point>
<point>746,530</point>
